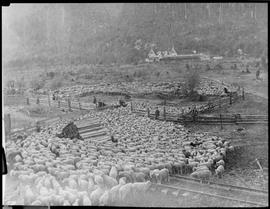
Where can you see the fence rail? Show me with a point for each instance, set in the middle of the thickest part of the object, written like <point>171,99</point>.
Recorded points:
<point>222,119</point>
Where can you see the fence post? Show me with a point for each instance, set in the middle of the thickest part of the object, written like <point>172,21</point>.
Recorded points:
<point>69,104</point>
<point>164,111</point>
<point>49,102</point>
<point>230,98</point>
<point>131,107</point>
<point>80,105</point>
<point>219,103</point>
<point>243,94</point>
<point>148,112</point>
<point>7,120</point>
<point>27,101</point>
<point>38,126</point>
<point>221,122</point>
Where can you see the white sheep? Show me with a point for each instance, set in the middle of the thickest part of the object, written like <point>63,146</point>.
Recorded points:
<point>86,201</point>
<point>140,187</point>
<point>153,175</point>
<point>29,196</point>
<point>125,191</point>
<point>163,175</point>
<point>109,182</point>
<point>104,199</point>
<point>113,172</point>
<point>220,162</point>
<point>114,192</point>
<point>83,184</point>
<point>72,183</point>
<point>200,167</point>
<point>96,194</point>
<point>76,202</point>
<point>36,202</point>
<point>201,174</point>
<point>66,203</point>
<point>219,171</point>
<point>71,194</point>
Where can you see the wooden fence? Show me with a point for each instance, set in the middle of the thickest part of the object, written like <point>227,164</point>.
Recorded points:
<point>28,127</point>
<point>69,104</point>
<point>208,107</point>
<point>222,119</point>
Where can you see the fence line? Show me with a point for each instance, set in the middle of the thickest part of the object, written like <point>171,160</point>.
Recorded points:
<point>221,119</point>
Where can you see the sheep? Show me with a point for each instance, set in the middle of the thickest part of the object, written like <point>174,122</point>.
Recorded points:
<point>169,167</point>
<point>201,174</point>
<point>125,191</point>
<point>109,181</point>
<point>146,171</point>
<point>104,199</point>
<point>86,201</point>
<point>140,177</point>
<point>153,175</point>
<point>140,187</point>
<point>66,203</point>
<point>96,194</point>
<point>190,166</point>
<point>209,164</point>
<point>72,194</point>
<point>221,162</point>
<point>43,191</point>
<point>76,202</point>
<point>113,172</point>
<point>83,184</point>
<point>231,148</point>
<point>200,167</point>
<point>128,175</point>
<point>36,202</point>
<point>98,179</point>
<point>217,157</point>
<point>72,183</point>
<point>114,192</point>
<point>179,167</point>
<point>163,175</point>
<point>29,196</point>
<point>219,171</point>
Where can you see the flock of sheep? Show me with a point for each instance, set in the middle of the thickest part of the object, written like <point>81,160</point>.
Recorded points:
<point>206,87</point>
<point>61,171</point>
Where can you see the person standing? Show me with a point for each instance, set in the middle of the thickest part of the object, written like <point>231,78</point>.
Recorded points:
<point>194,113</point>
<point>157,113</point>
<point>95,101</point>
<point>258,74</point>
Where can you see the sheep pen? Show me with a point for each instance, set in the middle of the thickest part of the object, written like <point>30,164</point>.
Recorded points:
<point>71,178</point>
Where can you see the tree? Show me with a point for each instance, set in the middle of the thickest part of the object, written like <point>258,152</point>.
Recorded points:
<point>192,80</point>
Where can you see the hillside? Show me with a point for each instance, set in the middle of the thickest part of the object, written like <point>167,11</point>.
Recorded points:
<point>124,33</point>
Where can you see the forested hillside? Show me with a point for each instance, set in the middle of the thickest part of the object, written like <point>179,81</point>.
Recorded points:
<point>124,33</point>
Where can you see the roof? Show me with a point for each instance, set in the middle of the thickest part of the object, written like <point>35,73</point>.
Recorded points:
<point>151,53</point>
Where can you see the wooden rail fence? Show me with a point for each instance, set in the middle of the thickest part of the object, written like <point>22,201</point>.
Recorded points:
<point>222,119</point>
